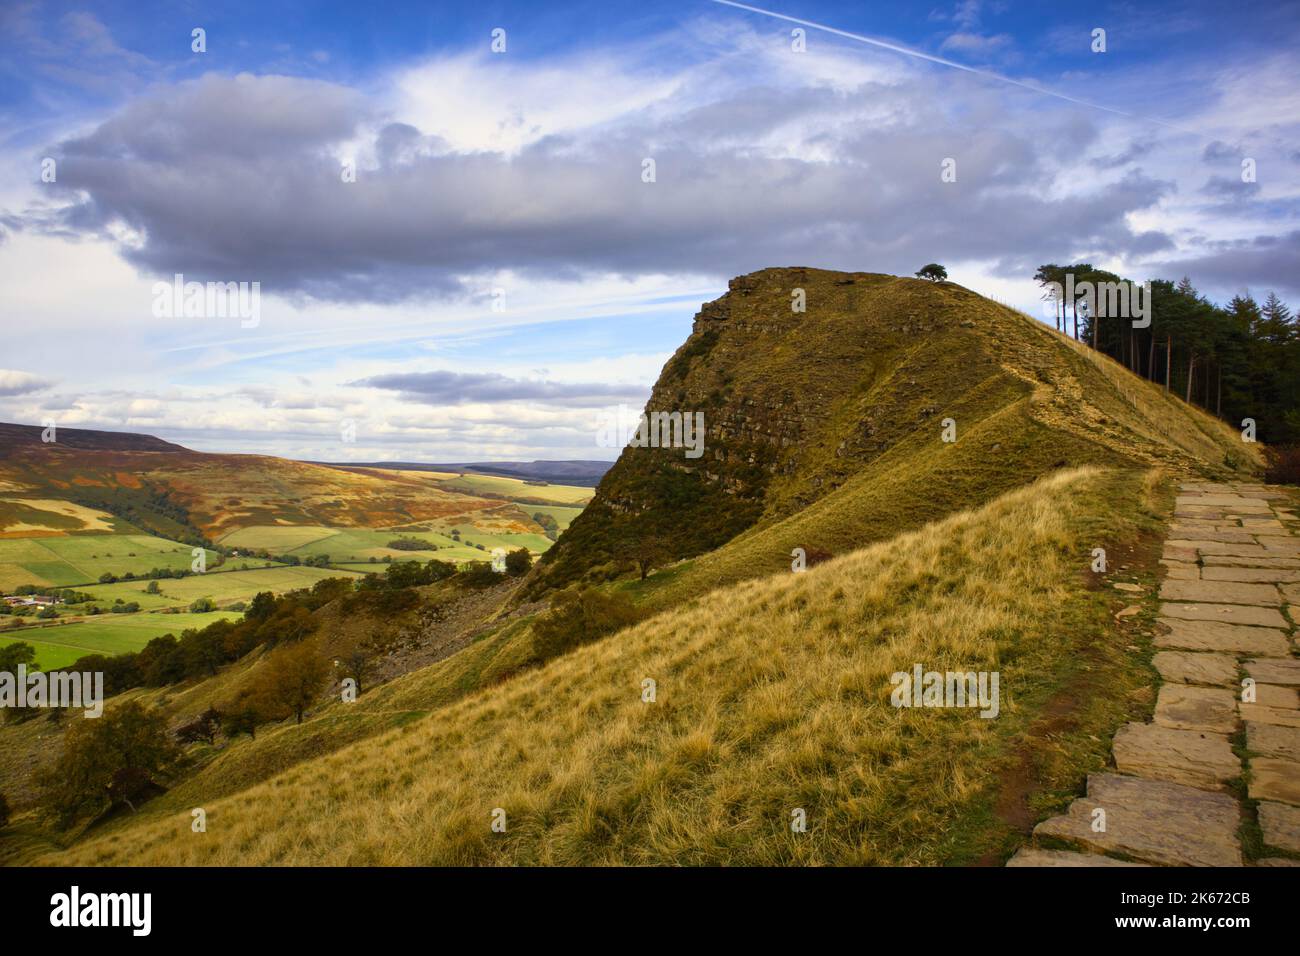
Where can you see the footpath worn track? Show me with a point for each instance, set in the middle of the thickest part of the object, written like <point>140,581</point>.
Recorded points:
<point>1222,751</point>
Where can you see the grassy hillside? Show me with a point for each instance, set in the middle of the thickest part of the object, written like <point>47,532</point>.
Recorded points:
<point>853,395</point>
<point>772,695</point>
<point>824,432</point>
<point>191,496</point>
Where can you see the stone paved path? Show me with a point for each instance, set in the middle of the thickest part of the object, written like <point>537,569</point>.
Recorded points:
<point>1226,630</point>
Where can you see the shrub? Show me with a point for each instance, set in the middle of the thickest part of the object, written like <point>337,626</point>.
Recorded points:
<point>11,655</point>
<point>243,715</point>
<point>478,574</point>
<point>201,728</point>
<point>412,544</point>
<point>95,754</point>
<point>580,617</point>
<point>518,562</point>
<point>291,679</point>
<point>132,786</point>
<point>814,556</point>
<point>1283,465</point>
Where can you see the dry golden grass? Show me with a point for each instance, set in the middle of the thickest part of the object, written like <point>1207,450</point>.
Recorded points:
<point>772,695</point>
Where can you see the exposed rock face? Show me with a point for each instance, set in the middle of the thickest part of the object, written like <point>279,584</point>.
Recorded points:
<point>800,402</point>
<point>794,403</point>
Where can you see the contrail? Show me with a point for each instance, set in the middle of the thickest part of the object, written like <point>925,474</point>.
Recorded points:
<point>917,54</point>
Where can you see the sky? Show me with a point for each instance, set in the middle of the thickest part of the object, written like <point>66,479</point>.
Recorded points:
<point>460,253</point>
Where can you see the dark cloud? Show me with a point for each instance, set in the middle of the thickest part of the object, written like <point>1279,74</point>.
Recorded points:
<point>1229,189</point>
<point>237,179</point>
<point>1264,262</point>
<point>458,388</point>
<point>14,382</point>
<point>1134,151</point>
<point>1218,151</point>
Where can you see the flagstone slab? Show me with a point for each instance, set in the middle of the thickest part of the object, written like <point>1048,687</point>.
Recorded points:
<point>1030,856</point>
<point>1292,593</point>
<point>1181,571</point>
<point>1277,861</point>
<point>1222,537</point>
<point>1264,714</point>
<point>1220,592</point>
<point>1224,638</point>
<point>1271,740</point>
<point>1199,524</point>
<point>1158,752</point>
<point>1285,671</point>
<point>1226,614</point>
<point>1184,555</point>
<point>1275,695</point>
<point>1280,825</point>
<point>1226,501</point>
<point>1263,525</point>
<point>1252,575</point>
<point>1232,561</point>
<point>1220,547</point>
<point>1273,778</point>
<point>1283,546</point>
<point>1187,707</point>
<point>1153,820</point>
<point>1198,513</point>
<point>1195,667</point>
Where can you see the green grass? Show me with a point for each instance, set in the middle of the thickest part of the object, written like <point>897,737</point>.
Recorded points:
<point>224,587</point>
<point>73,560</point>
<point>563,516</point>
<point>107,634</point>
<point>276,538</point>
<point>536,543</point>
<point>363,543</point>
<point>352,548</point>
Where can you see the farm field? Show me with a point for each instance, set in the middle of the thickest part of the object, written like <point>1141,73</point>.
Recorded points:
<point>562,514</point>
<point>79,559</point>
<point>361,544</point>
<point>223,587</point>
<point>536,543</point>
<point>276,538</point>
<point>354,547</point>
<point>518,490</point>
<point>107,634</point>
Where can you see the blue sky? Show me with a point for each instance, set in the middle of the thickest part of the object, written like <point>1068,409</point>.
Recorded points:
<point>498,272</point>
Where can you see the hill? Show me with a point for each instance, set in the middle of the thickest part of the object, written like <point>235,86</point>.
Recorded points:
<point>771,689</point>
<point>196,496</point>
<point>850,399</point>
<point>770,697</point>
<point>13,437</point>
